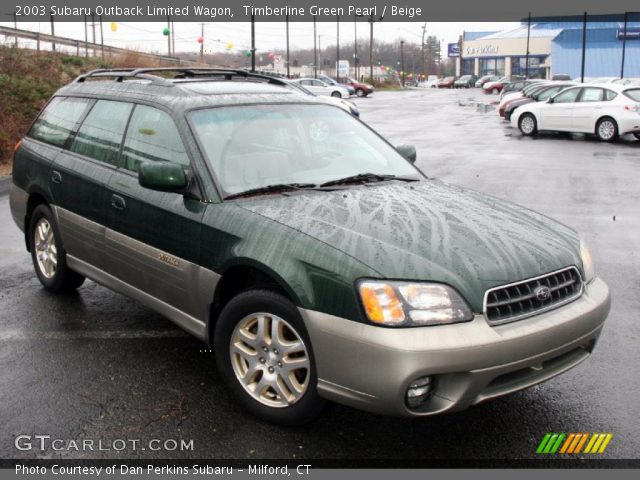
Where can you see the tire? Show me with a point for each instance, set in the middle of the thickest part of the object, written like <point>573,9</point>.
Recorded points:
<point>360,92</point>
<point>637,135</point>
<point>293,403</point>
<point>528,124</point>
<point>607,129</point>
<point>336,94</point>
<point>47,253</point>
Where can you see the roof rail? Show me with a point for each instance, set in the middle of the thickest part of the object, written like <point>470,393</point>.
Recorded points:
<point>119,74</point>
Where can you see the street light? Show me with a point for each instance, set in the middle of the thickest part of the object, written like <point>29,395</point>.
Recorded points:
<point>402,60</point>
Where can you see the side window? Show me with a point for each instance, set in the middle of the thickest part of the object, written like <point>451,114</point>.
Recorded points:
<point>590,94</point>
<point>609,95</point>
<point>101,132</point>
<point>152,136</point>
<point>568,96</point>
<point>59,120</point>
<point>305,82</point>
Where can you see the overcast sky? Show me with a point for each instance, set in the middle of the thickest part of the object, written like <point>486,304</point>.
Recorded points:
<point>147,36</point>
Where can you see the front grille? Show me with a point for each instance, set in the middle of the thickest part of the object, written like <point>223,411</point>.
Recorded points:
<point>516,301</point>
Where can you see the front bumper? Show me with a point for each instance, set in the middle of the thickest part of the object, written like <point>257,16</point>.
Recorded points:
<point>370,367</point>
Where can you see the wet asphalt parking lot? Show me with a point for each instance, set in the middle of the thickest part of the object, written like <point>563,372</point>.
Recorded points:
<point>97,365</point>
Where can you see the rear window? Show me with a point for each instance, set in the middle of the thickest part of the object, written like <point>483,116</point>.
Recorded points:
<point>101,132</point>
<point>59,120</point>
<point>633,94</point>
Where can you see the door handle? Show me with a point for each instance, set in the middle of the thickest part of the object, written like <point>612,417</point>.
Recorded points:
<point>56,177</point>
<point>118,202</point>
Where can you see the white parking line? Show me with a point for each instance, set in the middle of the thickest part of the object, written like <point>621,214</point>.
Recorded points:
<point>11,335</point>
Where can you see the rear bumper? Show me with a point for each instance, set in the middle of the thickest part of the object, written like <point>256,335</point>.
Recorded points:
<point>18,200</point>
<point>370,367</point>
<point>629,124</point>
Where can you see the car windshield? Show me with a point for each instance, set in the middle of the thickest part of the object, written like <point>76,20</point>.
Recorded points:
<point>256,146</point>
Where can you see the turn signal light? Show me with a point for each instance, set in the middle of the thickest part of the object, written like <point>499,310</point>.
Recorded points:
<point>381,303</point>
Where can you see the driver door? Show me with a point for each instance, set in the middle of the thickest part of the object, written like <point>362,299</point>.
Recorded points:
<point>559,114</point>
<point>152,237</point>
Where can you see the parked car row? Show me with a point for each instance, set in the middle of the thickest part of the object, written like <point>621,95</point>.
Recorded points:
<point>324,85</point>
<point>604,109</point>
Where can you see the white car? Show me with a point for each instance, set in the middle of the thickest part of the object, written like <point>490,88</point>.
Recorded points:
<point>346,105</point>
<point>321,88</point>
<point>432,82</point>
<point>604,110</point>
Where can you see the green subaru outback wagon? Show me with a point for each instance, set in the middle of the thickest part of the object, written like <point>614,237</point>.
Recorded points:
<point>314,257</point>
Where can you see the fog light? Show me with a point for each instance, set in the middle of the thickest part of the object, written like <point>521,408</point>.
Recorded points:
<point>418,392</point>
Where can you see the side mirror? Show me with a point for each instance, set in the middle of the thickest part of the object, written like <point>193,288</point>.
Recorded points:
<point>162,176</point>
<point>550,100</point>
<point>408,152</point>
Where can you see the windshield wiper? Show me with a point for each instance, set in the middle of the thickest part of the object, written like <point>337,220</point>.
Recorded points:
<point>367,178</point>
<point>280,187</point>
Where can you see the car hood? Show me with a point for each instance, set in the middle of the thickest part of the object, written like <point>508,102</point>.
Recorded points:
<point>428,230</point>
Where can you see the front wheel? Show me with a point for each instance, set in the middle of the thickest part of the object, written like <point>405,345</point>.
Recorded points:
<point>607,129</point>
<point>527,124</point>
<point>360,92</point>
<point>637,135</point>
<point>264,353</point>
<point>48,256</point>
<point>336,94</point>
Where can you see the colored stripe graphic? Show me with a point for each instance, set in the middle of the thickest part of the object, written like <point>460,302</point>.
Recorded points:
<point>573,443</point>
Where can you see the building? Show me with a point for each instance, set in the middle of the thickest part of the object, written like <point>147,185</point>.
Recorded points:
<point>555,47</point>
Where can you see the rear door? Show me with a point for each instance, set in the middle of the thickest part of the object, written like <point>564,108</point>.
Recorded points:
<point>80,175</point>
<point>559,114</point>
<point>153,238</point>
<point>588,109</point>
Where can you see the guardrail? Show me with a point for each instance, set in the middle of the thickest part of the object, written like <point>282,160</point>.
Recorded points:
<point>96,49</point>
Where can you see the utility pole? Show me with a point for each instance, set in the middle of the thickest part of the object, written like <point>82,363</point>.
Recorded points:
<point>624,43</point>
<point>173,38</point>
<point>402,61</point>
<point>93,27</point>
<point>53,34</point>
<point>288,69</point>
<point>315,50</point>
<point>526,68</point>
<point>15,27</point>
<point>320,59</point>
<point>253,43</point>
<point>169,36</point>
<point>424,31</point>
<point>338,49</point>
<point>584,45</point>
<point>355,47</point>
<point>371,20</point>
<point>101,38</point>
<point>202,44</point>
<point>86,38</point>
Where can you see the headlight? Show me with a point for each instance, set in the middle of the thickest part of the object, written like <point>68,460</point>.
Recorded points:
<point>402,304</point>
<point>587,262</point>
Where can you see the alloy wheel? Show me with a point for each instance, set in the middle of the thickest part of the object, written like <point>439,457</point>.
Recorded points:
<point>270,360</point>
<point>606,130</point>
<point>45,246</point>
<point>527,125</point>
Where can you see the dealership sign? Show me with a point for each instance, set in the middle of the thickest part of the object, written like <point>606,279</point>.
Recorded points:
<point>630,33</point>
<point>343,68</point>
<point>482,50</point>
<point>453,50</point>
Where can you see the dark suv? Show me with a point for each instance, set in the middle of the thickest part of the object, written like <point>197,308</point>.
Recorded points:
<point>315,258</point>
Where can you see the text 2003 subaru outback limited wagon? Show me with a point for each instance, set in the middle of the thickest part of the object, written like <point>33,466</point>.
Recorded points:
<point>317,260</point>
